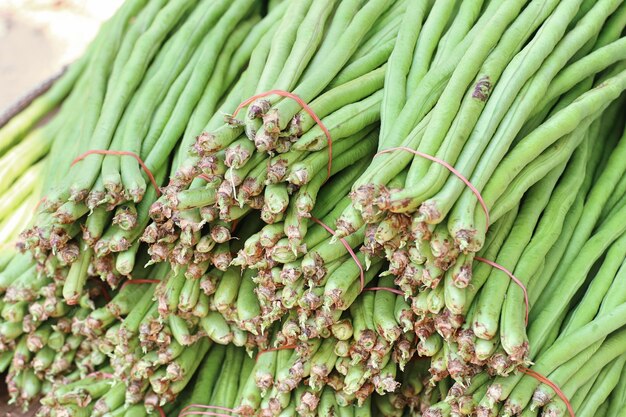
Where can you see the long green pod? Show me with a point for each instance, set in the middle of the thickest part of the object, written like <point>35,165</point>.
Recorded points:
<point>25,185</point>
<point>227,290</point>
<point>420,102</point>
<point>587,66</point>
<point>614,297</point>
<point>21,157</point>
<point>399,65</point>
<point>564,349</point>
<point>376,59</point>
<point>197,350</point>
<point>597,197</point>
<point>487,317</point>
<point>610,350</point>
<point>553,257</point>
<point>384,317</point>
<point>77,277</point>
<point>433,28</point>
<point>341,18</point>
<point>317,234</point>
<point>306,43</point>
<point>602,388</point>
<point>282,44</point>
<point>248,307</point>
<point>338,97</point>
<point>579,397</point>
<point>326,252</point>
<point>165,109</point>
<point>205,51</point>
<point>548,230</point>
<point>225,391</point>
<point>575,276</point>
<point>466,16</point>
<point>618,397</point>
<point>130,326</point>
<point>558,154</point>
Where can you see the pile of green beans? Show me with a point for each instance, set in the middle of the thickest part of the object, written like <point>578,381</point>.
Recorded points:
<point>323,208</point>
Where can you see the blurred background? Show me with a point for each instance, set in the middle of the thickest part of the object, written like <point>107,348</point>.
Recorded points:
<point>39,37</point>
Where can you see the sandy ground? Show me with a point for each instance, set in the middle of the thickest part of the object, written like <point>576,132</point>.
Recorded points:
<point>38,37</point>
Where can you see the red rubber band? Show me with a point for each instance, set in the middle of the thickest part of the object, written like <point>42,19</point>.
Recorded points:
<point>393,290</point>
<point>450,168</point>
<point>305,107</point>
<point>100,375</point>
<point>513,278</point>
<point>140,281</point>
<point>274,350</point>
<point>39,203</point>
<point>551,384</point>
<point>105,291</point>
<point>161,412</point>
<point>348,248</point>
<point>204,177</point>
<point>185,412</point>
<point>121,153</point>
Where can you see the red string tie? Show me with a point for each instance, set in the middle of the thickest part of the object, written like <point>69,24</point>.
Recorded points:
<point>185,411</point>
<point>121,153</point>
<point>140,281</point>
<point>233,226</point>
<point>393,290</point>
<point>513,278</point>
<point>449,168</point>
<point>274,350</point>
<point>306,108</point>
<point>100,375</point>
<point>43,199</point>
<point>348,248</point>
<point>105,291</point>
<point>161,412</point>
<point>552,385</point>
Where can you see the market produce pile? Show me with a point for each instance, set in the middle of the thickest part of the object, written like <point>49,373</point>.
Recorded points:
<point>323,208</point>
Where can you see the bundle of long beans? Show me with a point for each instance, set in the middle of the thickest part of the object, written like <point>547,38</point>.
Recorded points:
<point>509,107</point>
<point>336,207</point>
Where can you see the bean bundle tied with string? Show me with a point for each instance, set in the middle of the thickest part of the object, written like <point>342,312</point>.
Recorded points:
<point>323,208</point>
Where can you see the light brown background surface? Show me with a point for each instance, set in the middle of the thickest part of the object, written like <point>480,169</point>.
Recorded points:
<point>38,37</point>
